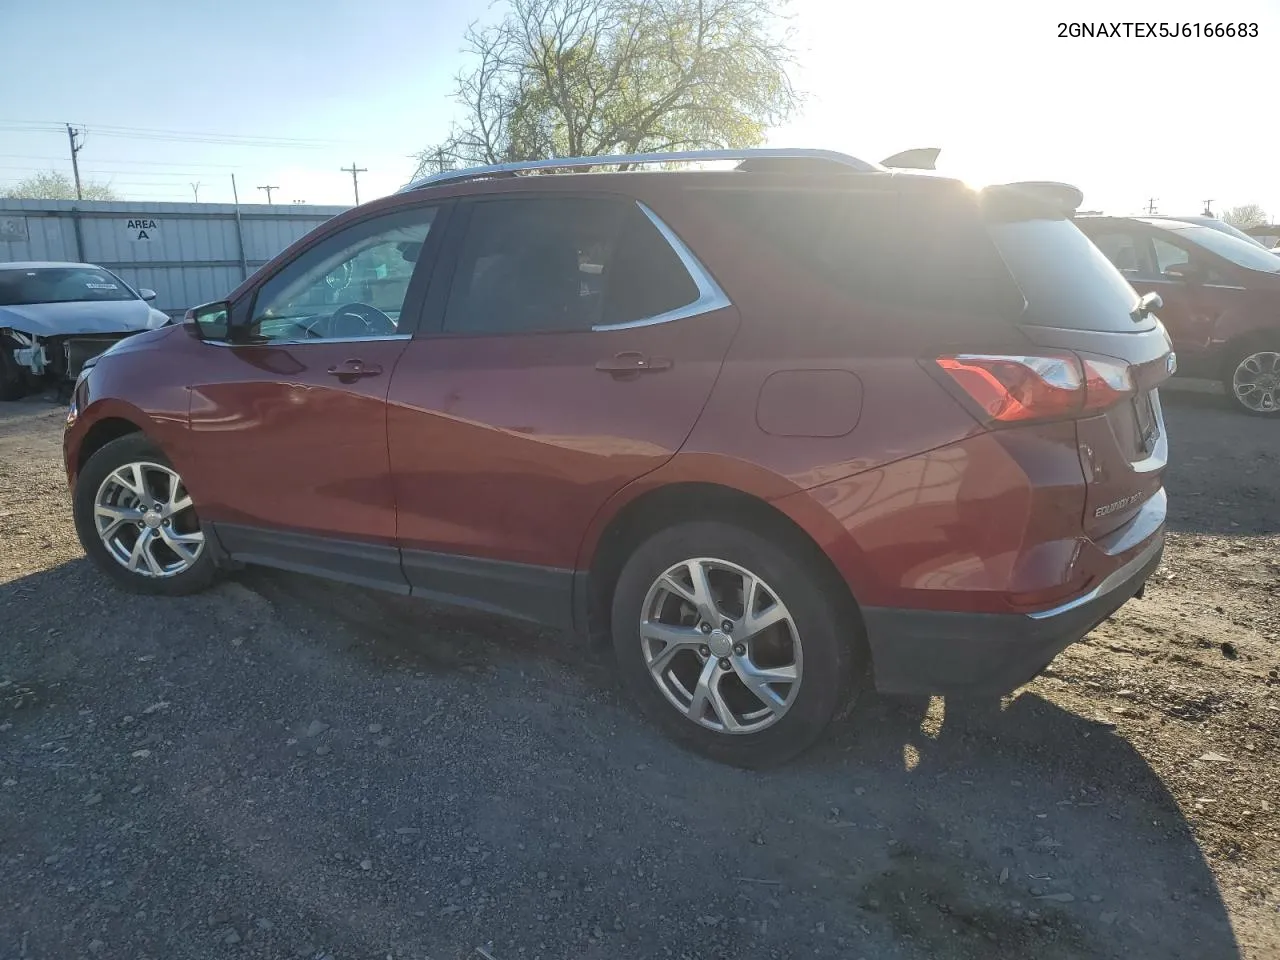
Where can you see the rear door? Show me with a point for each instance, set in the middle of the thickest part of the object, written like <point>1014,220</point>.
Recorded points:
<point>575,343</point>
<point>1078,300</point>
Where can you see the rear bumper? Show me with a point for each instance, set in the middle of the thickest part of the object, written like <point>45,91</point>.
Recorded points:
<point>936,652</point>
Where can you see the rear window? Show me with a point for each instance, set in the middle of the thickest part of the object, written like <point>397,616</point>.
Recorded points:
<point>880,247</point>
<point>1067,281</point>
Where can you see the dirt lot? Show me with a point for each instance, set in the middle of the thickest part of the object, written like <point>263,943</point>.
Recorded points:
<point>284,768</point>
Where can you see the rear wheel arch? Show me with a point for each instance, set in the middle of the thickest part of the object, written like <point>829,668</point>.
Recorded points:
<point>1259,336</point>
<point>683,502</point>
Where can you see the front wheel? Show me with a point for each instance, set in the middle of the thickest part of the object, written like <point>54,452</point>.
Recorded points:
<point>733,642</point>
<point>1252,379</point>
<point>137,522</point>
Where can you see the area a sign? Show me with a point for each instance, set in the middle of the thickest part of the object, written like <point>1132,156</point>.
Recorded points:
<point>143,228</point>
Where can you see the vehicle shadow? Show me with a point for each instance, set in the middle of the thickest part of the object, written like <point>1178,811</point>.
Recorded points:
<point>1223,476</point>
<point>967,828</point>
<point>919,829</point>
<point>1014,828</point>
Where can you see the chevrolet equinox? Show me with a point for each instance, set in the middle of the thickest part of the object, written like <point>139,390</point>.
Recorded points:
<point>765,430</point>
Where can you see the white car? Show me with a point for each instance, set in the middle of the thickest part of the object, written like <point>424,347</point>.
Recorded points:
<point>56,316</point>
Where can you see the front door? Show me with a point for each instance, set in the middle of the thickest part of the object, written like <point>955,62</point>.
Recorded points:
<point>572,352</point>
<point>1144,260</point>
<point>289,421</point>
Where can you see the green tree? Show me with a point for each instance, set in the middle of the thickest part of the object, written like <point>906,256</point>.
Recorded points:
<point>1245,216</point>
<point>589,77</point>
<point>53,185</point>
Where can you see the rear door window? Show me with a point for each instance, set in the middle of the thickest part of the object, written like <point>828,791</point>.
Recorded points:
<point>1066,280</point>
<point>1169,255</point>
<point>560,264</point>
<point>1130,254</point>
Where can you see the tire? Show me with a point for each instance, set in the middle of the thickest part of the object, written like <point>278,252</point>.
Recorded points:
<point>13,380</point>
<point>1256,363</point>
<point>828,657</point>
<point>175,560</point>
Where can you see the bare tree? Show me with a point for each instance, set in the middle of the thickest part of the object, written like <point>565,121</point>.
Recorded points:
<point>1245,216</point>
<point>591,77</point>
<point>53,185</point>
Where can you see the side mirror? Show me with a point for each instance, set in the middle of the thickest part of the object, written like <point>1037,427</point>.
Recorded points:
<point>1148,305</point>
<point>146,294</point>
<point>209,321</point>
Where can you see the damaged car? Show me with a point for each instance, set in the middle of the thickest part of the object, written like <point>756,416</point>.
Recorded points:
<point>54,317</point>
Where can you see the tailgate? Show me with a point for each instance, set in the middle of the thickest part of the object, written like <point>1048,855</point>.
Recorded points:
<point>1077,300</point>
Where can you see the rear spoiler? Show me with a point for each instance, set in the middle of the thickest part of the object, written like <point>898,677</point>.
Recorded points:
<point>919,158</point>
<point>1062,197</point>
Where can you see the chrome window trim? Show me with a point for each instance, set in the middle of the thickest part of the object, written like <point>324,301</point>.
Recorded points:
<point>1223,286</point>
<point>710,296</point>
<point>312,341</point>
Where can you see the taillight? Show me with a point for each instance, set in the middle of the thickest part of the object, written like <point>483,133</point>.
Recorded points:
<point>1019,388</point>
<point>1106,381</point>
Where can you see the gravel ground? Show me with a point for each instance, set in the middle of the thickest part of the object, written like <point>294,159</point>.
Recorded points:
<point>287,768</point>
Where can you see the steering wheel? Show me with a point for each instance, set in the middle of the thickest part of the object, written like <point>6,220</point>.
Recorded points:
<point>360,320</point>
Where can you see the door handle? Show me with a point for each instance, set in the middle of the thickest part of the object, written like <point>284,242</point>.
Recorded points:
<point>353,368</point>
<point>632,363</point>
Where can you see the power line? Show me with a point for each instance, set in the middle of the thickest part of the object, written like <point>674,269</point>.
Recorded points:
<point>194,136</point>
<point>146,163</point>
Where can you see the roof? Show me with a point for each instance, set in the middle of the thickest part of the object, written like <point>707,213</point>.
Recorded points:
<point>43,264</point>
<point>831,158</point>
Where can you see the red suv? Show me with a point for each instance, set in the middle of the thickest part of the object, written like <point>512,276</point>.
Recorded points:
<point>762,428</point>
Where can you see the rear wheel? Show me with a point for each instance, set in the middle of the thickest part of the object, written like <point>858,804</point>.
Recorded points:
<point>730,642</point>
<point>137,522</point>
<point>1252,378</point>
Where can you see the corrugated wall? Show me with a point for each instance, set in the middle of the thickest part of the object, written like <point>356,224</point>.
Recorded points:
<point>189,253</point>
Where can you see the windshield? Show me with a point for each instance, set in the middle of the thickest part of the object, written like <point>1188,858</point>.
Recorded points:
<point>1239,252</point>
<point>1230,231</point>
<point>60,285</point>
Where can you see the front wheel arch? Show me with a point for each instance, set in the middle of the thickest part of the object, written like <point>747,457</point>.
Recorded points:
<point>102,433</point>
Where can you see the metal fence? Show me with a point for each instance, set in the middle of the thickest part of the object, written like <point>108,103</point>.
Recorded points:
<point>189,253</point>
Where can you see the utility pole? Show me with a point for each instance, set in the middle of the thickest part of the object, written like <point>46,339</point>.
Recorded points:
<point>1207,211</point>
<point>76,147</point>
<point>355,181</point>
<point>268,189</point>
<point>244,263</point>
<point>1151,206</point>
<point>195,189</point>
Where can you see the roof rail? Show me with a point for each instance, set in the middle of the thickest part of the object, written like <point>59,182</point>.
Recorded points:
<point>851,164</point>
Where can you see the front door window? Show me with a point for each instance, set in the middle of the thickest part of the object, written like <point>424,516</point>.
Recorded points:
<point>351,286</point>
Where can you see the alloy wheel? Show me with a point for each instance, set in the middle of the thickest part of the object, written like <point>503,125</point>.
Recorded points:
<point>721,646</point>
<point>145,518</point>
<point>1256,381</point>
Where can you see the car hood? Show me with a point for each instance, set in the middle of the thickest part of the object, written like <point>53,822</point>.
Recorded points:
<point>82,317</point>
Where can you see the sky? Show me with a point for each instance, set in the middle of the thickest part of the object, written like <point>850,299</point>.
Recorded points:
<point>286,93</point>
